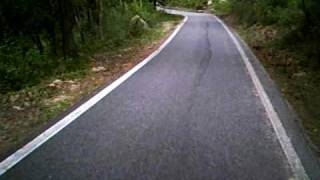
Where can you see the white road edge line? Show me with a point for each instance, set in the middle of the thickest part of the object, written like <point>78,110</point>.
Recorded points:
<point>20,154</point>
<point>287,147</point>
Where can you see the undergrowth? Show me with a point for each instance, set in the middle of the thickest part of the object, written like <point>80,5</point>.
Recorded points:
<point>23,65</point>
<point>288,49</point>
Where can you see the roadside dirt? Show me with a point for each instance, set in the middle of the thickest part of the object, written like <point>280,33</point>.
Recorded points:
<point>27,113</point>
<point>299,84</point>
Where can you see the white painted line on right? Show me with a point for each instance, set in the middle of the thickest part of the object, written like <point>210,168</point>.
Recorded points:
<point>287,147</point>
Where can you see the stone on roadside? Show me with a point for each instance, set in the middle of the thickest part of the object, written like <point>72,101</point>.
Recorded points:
<point>299,74</point>
<point>69,81</point>
<point>18,108</point>
<point>98,69</point>
<point>56,83</point>
<point>74,87</point>
<point>27,104</point>
<point>14,98</point>
<point>60,98</point>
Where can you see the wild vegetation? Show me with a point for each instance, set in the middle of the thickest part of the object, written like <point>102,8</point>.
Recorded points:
<point>297,21</point>
<point>195,4</point>
<point>43,38</point>
<point>55,52</point>
<point>284,34</point>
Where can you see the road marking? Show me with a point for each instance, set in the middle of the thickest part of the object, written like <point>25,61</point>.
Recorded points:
<point>286,145</point>
<point>20,154</point>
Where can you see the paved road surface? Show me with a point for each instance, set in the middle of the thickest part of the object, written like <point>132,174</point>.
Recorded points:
<point>191,113</point>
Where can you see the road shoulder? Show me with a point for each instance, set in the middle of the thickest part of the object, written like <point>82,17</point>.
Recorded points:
<point>286,113</point>
<point>69,94</point>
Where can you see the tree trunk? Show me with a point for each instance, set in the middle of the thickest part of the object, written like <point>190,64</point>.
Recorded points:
<point>36,39</point>
<point>154,3</point>
<point>67,22</point>
<point>306,13</point>
<point>101,10</point>
<point>52,37</point>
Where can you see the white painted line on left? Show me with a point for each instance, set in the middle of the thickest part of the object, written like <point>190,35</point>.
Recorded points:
<point>16,157</point>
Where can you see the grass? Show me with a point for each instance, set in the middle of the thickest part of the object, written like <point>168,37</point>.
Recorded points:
<point>25,113</point>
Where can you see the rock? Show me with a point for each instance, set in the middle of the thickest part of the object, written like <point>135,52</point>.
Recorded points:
<point>98,69</point>
<point>51,85</point>
<point>30,94</point>
<point>139,21</point>
<point>18,108</point>
<point>27,104</point>
<point>127,49</point>
<point>60,98</point>
<point>138,25</point>
<point>14,98</point>
<point>55,83</point>
<point>299,74</point>
<point>69,81</point>
<point>74,87</point>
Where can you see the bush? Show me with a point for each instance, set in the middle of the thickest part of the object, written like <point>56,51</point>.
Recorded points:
<point>221,7</point>
<point>195,4</point>
<point>19,69</point>
<point>50,42</point>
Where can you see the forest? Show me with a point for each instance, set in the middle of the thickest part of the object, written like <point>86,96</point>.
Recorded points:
<point>298,19</point>
<point>53,53</point>
<point>41,38</point>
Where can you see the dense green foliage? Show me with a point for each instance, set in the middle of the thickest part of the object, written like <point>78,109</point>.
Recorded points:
<point>284,12</point>
<point>297,20</point>
<point>196,4</point>
<point>284,35</point>
<point>39,38</point>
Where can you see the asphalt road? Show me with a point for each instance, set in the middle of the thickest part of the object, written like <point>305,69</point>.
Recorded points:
<point>191,113</point>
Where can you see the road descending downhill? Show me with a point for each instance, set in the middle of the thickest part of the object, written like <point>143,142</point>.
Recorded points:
<point>191,113</point>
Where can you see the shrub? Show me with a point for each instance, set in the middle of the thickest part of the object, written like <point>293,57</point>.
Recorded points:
<point>221,7</point>
<point>195,4</point>
<point>43,38</point>
<point>19,69</point>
